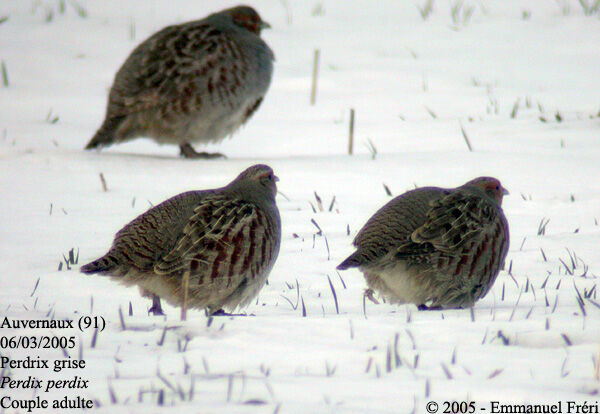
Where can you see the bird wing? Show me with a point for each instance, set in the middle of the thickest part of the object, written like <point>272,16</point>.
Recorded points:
<point>223,238</point>
<point>454,220</point>
<point>175,65</point>
<point>149,236</point>
<point>389,229</point>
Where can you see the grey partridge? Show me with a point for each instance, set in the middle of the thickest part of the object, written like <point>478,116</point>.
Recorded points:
<point>435,247</point>
<point>192,82</point>
<point>225,239</point>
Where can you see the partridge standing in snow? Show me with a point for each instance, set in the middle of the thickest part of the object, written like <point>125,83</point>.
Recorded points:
<point>435,247</point>
<point>193,82</point>
<point>225,241</point>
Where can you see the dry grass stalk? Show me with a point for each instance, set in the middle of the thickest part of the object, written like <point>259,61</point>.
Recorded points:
<point>351,133</point>
<point>315,76</point>
<point>185,285</point>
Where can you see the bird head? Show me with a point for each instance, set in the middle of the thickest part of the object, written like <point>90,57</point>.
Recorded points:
<point>491,186</point>
<point>261,179</point>
<point>247,18</point>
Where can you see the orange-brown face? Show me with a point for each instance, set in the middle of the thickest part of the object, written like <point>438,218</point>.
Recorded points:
<point>248,18</point>
<point>491,186</point>
<point>267,178</point>
<point>263,175</point>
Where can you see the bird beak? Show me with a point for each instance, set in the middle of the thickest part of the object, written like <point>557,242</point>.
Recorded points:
<point>505,191</point>
<point>276,178</point>
<point>264,25</point>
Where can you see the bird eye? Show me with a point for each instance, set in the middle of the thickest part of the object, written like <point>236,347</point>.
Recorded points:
<point>497,187</point>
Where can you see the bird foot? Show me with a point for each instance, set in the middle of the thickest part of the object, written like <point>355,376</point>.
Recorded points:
<point>221,312</point>
<point>156,311</point>
<point>187,151</point>
<point>423,307</point>
<point>370,294</point>
<point>156,308</point>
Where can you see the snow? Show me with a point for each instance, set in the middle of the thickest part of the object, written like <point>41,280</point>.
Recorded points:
<point>527,341</point>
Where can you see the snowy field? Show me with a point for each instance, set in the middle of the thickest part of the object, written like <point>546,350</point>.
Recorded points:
<point>520,77</point>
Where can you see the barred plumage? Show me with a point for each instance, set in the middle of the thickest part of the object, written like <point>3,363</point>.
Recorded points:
<point>227,239</point>
<point>435,247</point>
<point>193,82</point>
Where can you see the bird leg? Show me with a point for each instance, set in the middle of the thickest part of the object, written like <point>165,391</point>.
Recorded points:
<point>185,284</point>
<point>156,308</point>
<point>187,151</point>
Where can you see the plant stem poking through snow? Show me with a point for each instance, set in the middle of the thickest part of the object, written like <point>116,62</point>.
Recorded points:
<point>371,147</point>
<point>81,12</point>
<point>426,9</point>
<point>597,365</point>
<point>466,137</point>
<point>319,202</point>
<point>35,287</point>
<point>71,260</point>
<point>50,118</point>
<point>460,15</point>
<point>337,309</point>
<point>331,204</point>
<point>103,182</point>
<point>132,29</point>
<point>515,109</point>
<point>591,8</point>
<point>4,75</point>
<point>351,133</point>
<point>433,115</point>
<point>315,76</point>
<point>185,284</point>
<point>122,320</point>
<point>303,307</point>
<point>94,338</point>
<point>542,226</point>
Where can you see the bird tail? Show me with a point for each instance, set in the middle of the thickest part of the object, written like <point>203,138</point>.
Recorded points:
<point>105,136</point>
<point>354,260</point>
<point>103,265</point>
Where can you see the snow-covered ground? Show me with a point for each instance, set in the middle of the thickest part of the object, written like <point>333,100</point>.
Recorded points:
<point>521,77</point>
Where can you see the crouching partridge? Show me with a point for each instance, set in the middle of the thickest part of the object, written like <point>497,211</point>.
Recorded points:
<point>193,82</point>
<point>224,242</point>
<point>435,247</point>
